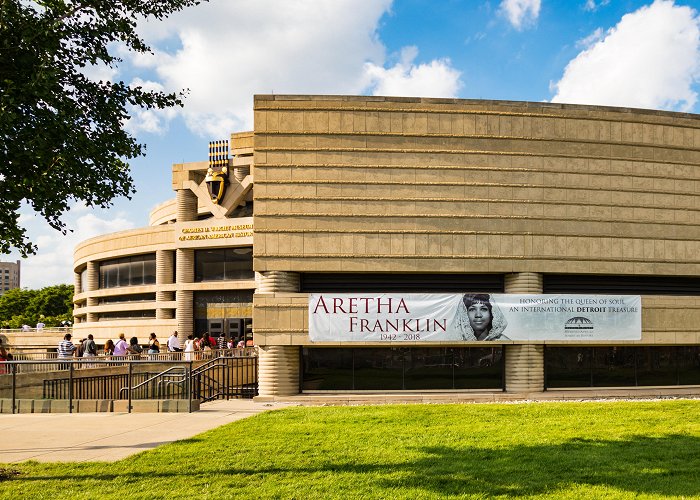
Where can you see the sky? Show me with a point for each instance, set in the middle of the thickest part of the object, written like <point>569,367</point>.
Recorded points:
<point>643,54</point>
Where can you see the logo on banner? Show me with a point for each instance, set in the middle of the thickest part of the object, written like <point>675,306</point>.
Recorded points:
<point>578,323</point>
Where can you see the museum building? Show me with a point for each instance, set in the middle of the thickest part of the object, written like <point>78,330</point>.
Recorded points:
<point>344,196</point>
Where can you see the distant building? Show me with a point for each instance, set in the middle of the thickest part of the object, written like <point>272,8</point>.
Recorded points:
<point>9,276</point>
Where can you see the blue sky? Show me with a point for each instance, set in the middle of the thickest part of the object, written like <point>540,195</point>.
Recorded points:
<point>612,52</point>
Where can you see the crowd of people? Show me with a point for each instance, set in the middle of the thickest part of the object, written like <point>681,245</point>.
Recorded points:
<point>88,348</point>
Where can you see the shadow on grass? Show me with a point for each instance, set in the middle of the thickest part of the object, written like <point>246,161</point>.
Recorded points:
<point>664,466</point>
<point>642,465</point>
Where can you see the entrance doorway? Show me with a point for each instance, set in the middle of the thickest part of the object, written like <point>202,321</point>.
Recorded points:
<point>226,314</point>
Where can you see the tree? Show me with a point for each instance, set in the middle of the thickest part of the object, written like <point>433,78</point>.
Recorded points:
<point>62,135</point>
<point>15,302</point>
<point>51,305</point>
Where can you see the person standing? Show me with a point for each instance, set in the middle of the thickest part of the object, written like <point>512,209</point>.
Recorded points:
<point>89,347</point>
<point>66,348</point>
<point>153,344</point>
<point>174,343</point>
<point>4,356</point>
<point>120,346</point>
<point>134,348</point>
<point>189,348</point>
<point>109,348</point>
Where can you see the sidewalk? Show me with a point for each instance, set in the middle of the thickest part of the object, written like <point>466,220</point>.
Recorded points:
<point>79,437</point>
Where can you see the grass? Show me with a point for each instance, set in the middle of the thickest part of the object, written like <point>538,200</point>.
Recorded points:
<point>543,450</point>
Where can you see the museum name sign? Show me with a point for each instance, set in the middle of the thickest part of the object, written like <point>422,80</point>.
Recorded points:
<point>410,317</point>
<point>215,233</point>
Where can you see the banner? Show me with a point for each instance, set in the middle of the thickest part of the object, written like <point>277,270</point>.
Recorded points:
<point>411,317</point>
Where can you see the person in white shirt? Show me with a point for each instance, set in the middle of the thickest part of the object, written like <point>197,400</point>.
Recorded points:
<point>174,343</point>
<point>120,346</point>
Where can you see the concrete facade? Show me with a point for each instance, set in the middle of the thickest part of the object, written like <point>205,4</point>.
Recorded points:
<point>370,185</point>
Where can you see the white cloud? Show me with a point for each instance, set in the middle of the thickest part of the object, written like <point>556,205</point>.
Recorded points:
<point>520,13</point>
<point>228,50</point>
<point>53,262</point>
<point>594,37</point>
<point>651,59</point>
<point>592,6</point>
<point>435,79</point>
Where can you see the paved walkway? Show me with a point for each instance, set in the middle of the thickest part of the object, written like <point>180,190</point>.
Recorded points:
<point>78,437</point>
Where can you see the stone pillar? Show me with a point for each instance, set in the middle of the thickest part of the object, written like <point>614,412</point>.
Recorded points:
<point>278,370</point>
<point>165,261</point>
<point>278,365</point>
<point>523,283</point>
<point>277,281</point>
<point>93,284</point>
<point>186,205</point>
<point>524,362</point>
<point>78,286</point>
<point>525,368</point>
<point>185,298</point>
<point>185,314</point>
<point>241,173</point>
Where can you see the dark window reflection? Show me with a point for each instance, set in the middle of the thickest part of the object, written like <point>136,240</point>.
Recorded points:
<point>379,369</point>
<point>224,264</point>
<point>409,368</point>
<point>622,366</point>
<point>128,271</point>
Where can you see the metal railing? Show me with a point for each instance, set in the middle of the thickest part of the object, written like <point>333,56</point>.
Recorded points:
<point>130,378</point>
<point>163,356</point>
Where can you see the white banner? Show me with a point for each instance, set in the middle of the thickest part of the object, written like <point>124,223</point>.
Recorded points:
<point>410,317</point>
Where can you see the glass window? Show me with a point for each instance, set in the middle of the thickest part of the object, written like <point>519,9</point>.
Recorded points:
<point>568,366</point>
<point>224,264</point>
<point>108,316</point>
<point>688,360</point>
<point>379,368</point>
<point>478,368</point>
<point>622,366</point>
<point>656,365</point>
<point>405,368</point>
<point>128,271</point>
<point>327,369</point>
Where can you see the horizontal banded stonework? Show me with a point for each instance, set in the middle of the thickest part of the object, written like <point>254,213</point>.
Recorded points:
<point>368,184</point>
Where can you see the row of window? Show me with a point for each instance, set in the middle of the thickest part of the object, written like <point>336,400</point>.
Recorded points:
<point>417,368</point>
<point>405,368</point>
<point>210,265</point>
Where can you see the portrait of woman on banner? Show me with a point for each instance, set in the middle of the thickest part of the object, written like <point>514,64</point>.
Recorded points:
<point>480,319</point>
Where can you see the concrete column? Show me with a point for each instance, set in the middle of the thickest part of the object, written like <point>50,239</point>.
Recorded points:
<point>524,362</point>
<point>525,368</point>
<point>278,370</point>
<point>278,365</point>
<point>240,173</point>
<point>185,298</point>
<point>277,281</point>
<point>78,286</point>
<point>523,283</point>
<point>93,284</point>
<point>186,205</point>
<point>165,261</point>
<point>185,314</point>
<point>93,277</point>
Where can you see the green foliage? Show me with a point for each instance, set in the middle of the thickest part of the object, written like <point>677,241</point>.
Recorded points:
<point>62,135</point>
<point>537,450</point>
<point>51,305</point>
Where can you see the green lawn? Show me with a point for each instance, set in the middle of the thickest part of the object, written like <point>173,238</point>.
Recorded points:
<point>541,450</point>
